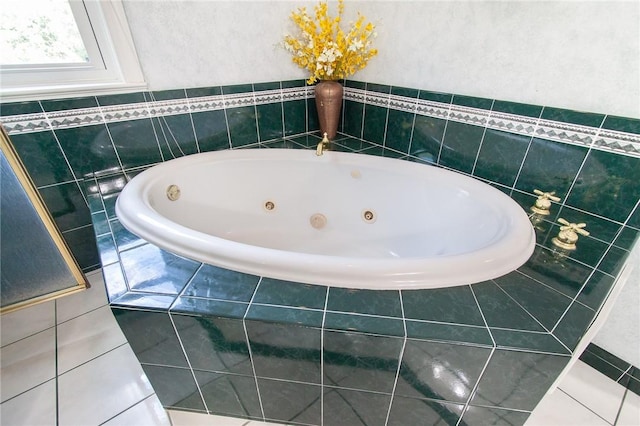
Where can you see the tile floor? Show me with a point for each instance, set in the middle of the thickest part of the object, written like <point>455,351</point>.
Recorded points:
<point>66,362</point>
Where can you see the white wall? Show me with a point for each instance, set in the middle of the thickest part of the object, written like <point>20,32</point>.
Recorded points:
<point>580,55</point>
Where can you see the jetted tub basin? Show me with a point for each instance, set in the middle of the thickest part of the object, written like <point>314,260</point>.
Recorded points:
<point>340,219</point>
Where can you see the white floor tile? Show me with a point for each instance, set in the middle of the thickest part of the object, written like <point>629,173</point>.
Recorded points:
<point>146,413</point>
<point>630,412</point>
<point>185,418</point>
<point>594,390</point>
<point>84,301</point>
<point>27,363</point>
<point>102,388</point>
<point>559,409</point>
<point>86,337</point>
<point>36,407</point>
<point>26,322</point>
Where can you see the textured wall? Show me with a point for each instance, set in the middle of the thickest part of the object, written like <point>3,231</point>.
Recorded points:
<point>577,55</point>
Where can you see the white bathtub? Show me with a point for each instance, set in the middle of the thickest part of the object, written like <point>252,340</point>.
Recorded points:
<point>292,215</point>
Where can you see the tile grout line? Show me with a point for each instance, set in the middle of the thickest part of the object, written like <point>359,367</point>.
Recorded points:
<point>582,405</point>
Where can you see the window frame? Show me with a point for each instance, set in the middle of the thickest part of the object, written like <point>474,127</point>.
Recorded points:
<point>113,65</point>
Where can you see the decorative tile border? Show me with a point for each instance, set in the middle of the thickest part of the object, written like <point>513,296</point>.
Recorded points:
<point>574,134</point>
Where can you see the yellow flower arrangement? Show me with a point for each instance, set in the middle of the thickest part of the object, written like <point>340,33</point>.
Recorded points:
<point>324,49</point>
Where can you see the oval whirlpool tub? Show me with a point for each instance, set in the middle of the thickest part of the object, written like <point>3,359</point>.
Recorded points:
<point>340,219</point>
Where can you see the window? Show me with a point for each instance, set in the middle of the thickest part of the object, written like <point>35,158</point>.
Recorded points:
<point>53,48</point>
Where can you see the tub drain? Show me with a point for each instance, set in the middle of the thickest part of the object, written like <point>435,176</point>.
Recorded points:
<point>269,205</point>
<point>368,216</point>
<point>318,220</point>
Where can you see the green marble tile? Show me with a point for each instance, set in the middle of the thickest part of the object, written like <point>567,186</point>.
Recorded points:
<point>399,130</point>
<point>214,344</point>
<point>539,342</point>
<point>473,102</point>
<point>622,124</point>
<point>238,88</point>
<point>88,149</point>
<point>166,95</point>
<point>125,240</point>
<point>293,83</point>
<point>208,307</point>
<point>493,416</point>
<point>69,103</point>
<point>534,372</point>
<point>573,325</point>
<point>286,315</point>
<point>224,284</point>
<point>364,324</point>
<point>448,333</point>
<point>285,352</point>
<point>573,117</point>
<point>596,289</point>
<point>100,223</point>
<point>355,84</point>
<point>460,146</point>
<point>613,261</point>
<point>500,310</point>
<point>550,166</point>
<point>360,361</point>
<point>295,117</point>
<point>242,126</point>
<point>150,269</point>
<point>607,185</point>
<point>199,92</point>
<point>42,158</point>
<point>517,108</point>
<point>229,395</point>
<point>175,135</point>
<point>211,130</point>
<point>453,305</point>
<point>416,411</point>
<point>135,142</point>
<point>348,407</point>
<point>151,336</point>
<point>627,238</point>
<point>500,156</point>
<point>285,293</point>
<point>380,88</point>
<point>121,99</point>
<point>373,302</point>
<point>404,91</point>
<point>444,98</point>
<point>115,283</point>
<point>299,403</point>
<point>82,243</point>
<point>164,379</point>
<point>66,205</point>
<point>441,371</point>
<point>545,304</point>
<point>353,115</point>
<point>428,134</point>
<point>270,121</point>
<point>375,121</point>
<point>18,108</point>
<point>147,301</point>
<point>107,249</point>
<point>560,273</point>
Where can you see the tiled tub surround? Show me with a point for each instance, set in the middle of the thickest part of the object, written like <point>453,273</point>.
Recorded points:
<point>312,354</point>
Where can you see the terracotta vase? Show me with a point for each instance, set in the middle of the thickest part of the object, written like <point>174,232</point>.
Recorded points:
<point>328,104</point>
